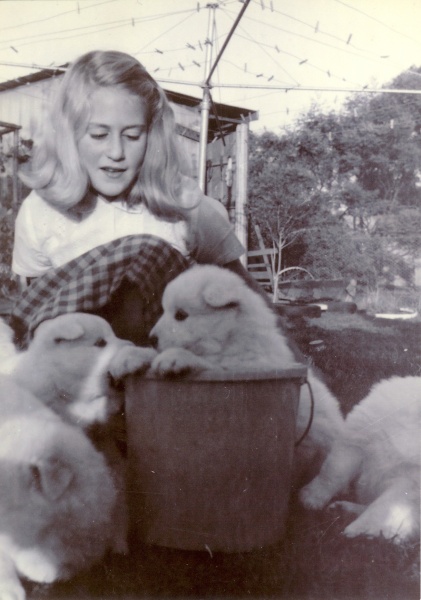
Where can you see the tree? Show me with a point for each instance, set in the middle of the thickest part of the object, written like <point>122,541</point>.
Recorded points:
<point>7,220</point>
<point>341,193</point>
<point>8,212</point>
<point>382,145</point>
<point>282,196</point>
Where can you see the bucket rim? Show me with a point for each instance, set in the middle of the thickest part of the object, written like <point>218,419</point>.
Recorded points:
<point>291,371</point>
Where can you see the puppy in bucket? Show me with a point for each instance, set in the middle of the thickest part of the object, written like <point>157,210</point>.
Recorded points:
<point>57,496</point>
<point>213,320</point>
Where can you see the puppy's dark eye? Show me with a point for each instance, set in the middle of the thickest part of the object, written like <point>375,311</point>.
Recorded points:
<point>180,315</point>
<point>100,343</point>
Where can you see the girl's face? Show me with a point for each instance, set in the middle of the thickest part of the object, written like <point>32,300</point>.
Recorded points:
<point>113,147</point>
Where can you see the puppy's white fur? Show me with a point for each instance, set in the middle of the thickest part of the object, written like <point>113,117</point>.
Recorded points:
<point>57,496</point>
<point>213,320</point>
<point>379,453</point>
<point>8,351</point>
<point>68,366</point>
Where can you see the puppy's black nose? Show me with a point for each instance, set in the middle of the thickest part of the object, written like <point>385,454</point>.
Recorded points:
<point>153,339</point>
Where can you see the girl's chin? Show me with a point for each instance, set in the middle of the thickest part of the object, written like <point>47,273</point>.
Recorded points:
<point>111,195</point>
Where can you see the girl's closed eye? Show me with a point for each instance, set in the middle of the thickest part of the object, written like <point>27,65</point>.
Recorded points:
<point>103,135</point>
<point>134,133</point>
<point>98,136</point>
<point>132,136</point>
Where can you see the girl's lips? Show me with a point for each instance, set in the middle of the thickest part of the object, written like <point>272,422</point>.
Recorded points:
<point>112,173</point>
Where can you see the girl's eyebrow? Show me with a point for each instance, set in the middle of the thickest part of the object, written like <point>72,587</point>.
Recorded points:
<point>105,126</point>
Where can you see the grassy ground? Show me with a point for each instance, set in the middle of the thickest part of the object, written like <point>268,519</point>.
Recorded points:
<point>356,351</point>
<point>313,561</point>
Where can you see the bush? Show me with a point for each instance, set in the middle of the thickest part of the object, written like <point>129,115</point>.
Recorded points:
<point>8,285</point>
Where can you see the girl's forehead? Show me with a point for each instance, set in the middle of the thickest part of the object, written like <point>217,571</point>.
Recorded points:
<point>116,104</point>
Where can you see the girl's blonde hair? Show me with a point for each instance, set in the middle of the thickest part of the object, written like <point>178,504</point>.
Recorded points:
<point>56,171</point>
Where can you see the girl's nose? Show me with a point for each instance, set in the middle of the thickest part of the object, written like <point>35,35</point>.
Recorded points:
<point>115,149</point>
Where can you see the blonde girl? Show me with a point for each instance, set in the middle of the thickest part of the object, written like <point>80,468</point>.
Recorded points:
<point>108,166</point>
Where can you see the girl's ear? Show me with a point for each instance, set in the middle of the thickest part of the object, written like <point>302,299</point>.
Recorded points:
<point>217,295</point>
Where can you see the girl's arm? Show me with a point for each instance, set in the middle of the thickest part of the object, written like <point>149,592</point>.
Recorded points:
<point>28,258</point>
<point>237,267</point>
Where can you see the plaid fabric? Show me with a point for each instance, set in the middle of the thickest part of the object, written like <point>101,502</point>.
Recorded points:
<point>88,282</point>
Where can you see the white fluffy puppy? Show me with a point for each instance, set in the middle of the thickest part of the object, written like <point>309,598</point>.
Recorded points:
<point>213,320</point>
<point>57,497</point>
<point>69,365</point>
<point>379,453</point>
<point>72,366</point>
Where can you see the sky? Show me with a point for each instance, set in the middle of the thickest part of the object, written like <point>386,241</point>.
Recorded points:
<point>283,56</point>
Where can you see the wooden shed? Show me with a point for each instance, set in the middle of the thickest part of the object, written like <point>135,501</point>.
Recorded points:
<point>24,100</point>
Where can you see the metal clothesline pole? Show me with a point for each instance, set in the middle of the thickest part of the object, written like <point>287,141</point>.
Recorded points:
<point>225,44</point>
<point>206,99</point>
<point>205,106</point>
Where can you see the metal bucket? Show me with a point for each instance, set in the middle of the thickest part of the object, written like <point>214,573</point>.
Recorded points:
<point>210,458</point>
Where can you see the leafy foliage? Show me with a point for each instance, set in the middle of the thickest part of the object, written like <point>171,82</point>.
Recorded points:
<point>8,211</point>
<point>7,221</point>
<point>340,194</point>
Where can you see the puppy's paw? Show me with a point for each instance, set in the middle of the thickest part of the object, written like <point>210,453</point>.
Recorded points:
<point>313,496</point>
<point>11,590</point>
<point>349,507</point>
<point>177,361</point>
<point>396,523</point>
<point>131,359</point>
<point>356,528</point>
<point>10,585</point>
<point>35,566</point>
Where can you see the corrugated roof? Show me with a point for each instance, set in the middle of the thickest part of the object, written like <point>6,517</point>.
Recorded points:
<point>8,127</point>
<point>228,116</point>
<point>31,78</point>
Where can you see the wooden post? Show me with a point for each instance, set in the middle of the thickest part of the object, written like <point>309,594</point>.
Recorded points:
<point>15,167</point>
<point>240,225</point>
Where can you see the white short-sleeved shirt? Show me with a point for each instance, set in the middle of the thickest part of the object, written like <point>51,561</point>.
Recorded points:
<point>46,238</point>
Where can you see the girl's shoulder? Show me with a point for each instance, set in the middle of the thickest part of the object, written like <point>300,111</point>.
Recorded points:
<point>37,207</point>
<point>33,199</point>
<point>194,200</point>
<point>33,209</point>
<point>210,206</point>
<point>214,240</point>
<point>42,218</point>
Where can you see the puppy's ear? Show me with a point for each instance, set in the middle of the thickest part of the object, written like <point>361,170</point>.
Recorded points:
<point>50,477</point>
<point>69,333</point>
<point>219,296</point>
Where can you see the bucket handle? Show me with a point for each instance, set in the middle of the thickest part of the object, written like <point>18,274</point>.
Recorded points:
<point>310,420</point>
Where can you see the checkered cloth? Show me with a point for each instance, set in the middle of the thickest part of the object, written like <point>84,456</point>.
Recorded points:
<point>88,283</point>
